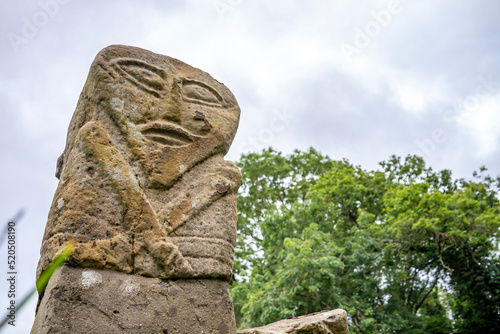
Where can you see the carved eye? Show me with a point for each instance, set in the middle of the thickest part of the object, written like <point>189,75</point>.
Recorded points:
<point>200,93</point>
<point>145,76</point>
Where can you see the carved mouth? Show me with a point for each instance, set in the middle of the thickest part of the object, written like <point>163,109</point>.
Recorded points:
<point>166,134</point>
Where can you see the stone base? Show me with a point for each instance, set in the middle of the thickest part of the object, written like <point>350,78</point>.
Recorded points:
<point>89,301</point>
<point>325,322</point>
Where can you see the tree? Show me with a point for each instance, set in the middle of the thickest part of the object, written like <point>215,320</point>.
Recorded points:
<point>398,249</point>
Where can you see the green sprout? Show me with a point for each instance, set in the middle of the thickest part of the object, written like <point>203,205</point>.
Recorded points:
<point>44,279</point>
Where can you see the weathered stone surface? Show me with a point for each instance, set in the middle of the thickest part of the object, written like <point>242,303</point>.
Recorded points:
<point>143,185</point>
<point>91,301</point>
<point>146,199</point>
<point>325,322</point>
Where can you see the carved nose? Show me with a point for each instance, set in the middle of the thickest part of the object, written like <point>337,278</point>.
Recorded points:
<point>172,104</point>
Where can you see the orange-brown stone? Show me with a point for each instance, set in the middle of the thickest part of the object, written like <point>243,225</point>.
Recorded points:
<point>143,185</point>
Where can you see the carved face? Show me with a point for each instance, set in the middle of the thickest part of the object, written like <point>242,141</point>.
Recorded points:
<point>171,115</point>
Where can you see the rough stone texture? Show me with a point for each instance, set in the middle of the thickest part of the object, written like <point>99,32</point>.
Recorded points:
<point>104,301</point>
<point>147,201</point>
<point>325,322</point>
<point>143,185</point>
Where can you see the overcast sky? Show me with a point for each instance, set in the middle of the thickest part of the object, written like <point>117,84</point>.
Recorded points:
<point>360,80</point>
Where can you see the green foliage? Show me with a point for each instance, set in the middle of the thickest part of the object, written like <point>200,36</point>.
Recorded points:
<point>402,250</point>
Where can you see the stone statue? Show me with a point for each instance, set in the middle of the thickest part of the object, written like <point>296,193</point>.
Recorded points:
<point>143,185</point>
<point>147,201</point>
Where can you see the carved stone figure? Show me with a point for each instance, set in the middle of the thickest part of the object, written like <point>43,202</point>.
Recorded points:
<point>143,185</point>
<point>147,201</point>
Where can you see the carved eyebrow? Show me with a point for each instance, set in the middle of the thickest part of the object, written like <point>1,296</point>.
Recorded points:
<point>188,82</point>
<point>138,63</point>
<point>123,65</point>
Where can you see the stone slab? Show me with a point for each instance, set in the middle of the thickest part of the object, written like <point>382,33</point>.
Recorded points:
<point>325,322</point>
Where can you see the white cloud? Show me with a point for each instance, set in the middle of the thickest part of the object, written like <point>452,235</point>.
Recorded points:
<point>482,123</point>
